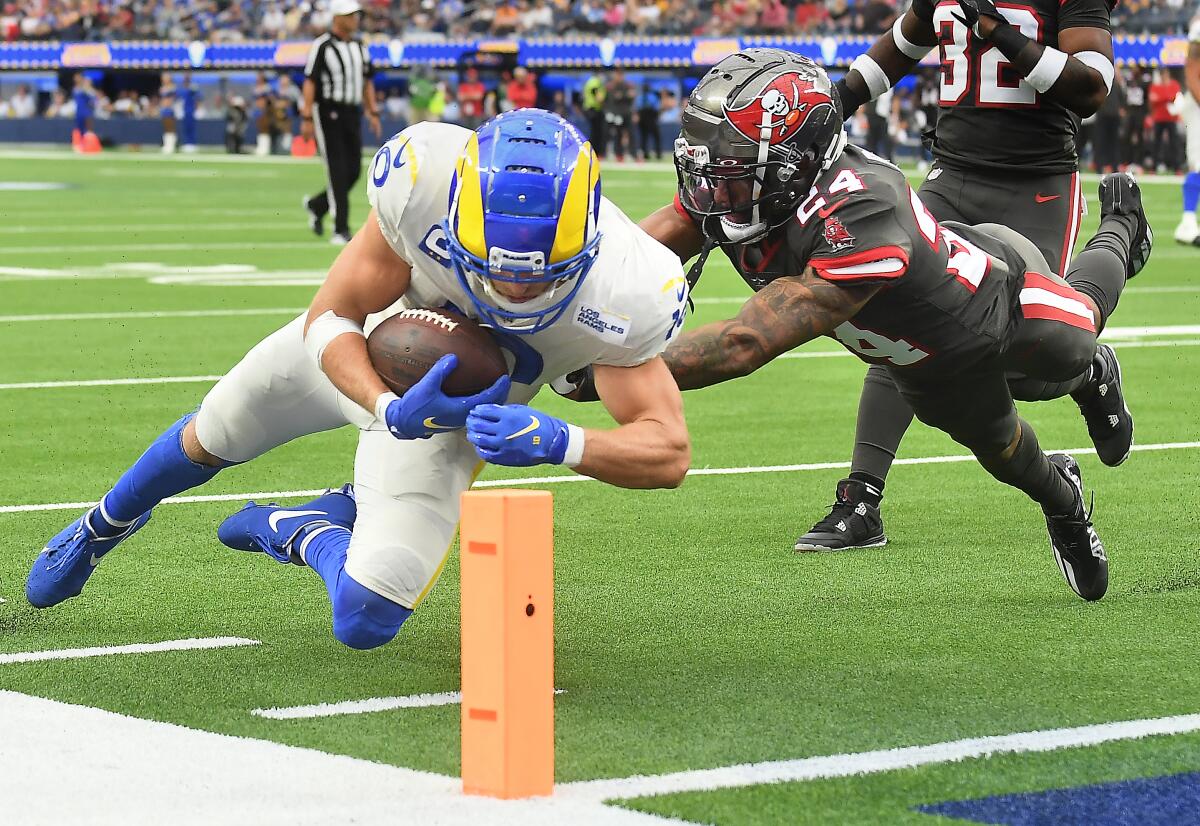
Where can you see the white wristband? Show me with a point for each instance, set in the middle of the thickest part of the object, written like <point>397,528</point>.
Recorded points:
<point>1048,69</point>
<point>574,454</point>
<point>1097,61</point>
<point>324,329</point>
<point>909,49</point>
<point>875,78</point>
<point>381,405</point>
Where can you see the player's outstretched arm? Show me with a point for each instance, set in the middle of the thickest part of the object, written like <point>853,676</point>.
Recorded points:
<point>366,277</point>
<point>1078,74</point>
<point>649,448</point>
<point>674,231</point>
<point>783,315</point>
<point>889,59</point>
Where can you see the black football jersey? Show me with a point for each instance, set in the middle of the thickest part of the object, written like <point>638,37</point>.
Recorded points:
<point>989,115</point>
<point>948,290</point>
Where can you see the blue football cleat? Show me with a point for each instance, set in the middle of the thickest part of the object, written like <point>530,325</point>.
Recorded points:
<point>271,529</point>
<point>64,565</point>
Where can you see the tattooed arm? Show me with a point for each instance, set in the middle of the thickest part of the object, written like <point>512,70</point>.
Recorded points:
<point>783,315</point>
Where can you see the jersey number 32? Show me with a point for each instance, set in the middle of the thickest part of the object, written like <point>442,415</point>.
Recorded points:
<point>967,58</point>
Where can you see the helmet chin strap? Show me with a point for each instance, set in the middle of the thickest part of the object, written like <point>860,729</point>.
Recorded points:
<point>836,147</point>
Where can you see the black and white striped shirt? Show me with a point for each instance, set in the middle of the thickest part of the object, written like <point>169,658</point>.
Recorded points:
<point>339,68</point>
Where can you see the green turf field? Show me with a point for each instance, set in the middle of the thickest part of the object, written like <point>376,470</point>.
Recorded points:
<point>689,635</point>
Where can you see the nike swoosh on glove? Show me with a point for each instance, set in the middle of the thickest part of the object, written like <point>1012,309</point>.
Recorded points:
<point>425,410</point>
<point>517,435</point>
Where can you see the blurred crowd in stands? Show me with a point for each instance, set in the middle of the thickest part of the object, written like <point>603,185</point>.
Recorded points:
<point>632,117</point>
<point>237,20</point>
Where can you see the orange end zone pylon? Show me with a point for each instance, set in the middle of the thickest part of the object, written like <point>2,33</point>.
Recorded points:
<point>507,542</point>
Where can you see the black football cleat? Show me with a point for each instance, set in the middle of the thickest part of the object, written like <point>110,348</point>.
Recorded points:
<point>316,221</point>
<point>1077,548</point>
<point>1109,421</point>
<point>1120,195</point>
<point>854,521</point>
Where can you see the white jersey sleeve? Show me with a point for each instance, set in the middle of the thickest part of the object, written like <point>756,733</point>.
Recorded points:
<point>413,167</point>
<point>1194,31</point>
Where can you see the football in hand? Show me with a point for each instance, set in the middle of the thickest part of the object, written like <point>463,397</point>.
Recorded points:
<point>403,348</point>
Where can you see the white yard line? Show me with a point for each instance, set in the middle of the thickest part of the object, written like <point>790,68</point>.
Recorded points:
<point>811,354</point>
<point>47,385</point>
<point>126,771</point>
<point>874,762</point>
<point>136,648</point>
<point>150,314</point>
<point>1180,288</point>
<point>211,245</point>
<point>1115,335</point>
<point>74,229</point>
<point>260,496</point>
<point>369,706</point>
<point>445,698</point>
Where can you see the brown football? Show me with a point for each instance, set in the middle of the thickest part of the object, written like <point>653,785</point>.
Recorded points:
<point>406,345</point>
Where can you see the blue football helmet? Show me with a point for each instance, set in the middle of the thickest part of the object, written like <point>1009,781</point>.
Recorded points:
<point>524,204</point>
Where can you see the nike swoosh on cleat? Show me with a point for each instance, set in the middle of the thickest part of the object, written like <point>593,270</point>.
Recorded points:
<point>1045,199</point>
<point>533,425</point>
<point>273,519</point>
<point>432,425</point>
<point>94,560</point>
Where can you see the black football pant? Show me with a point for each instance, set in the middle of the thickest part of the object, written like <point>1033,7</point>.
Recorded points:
<point>1048,355</point>
<point>1046,209</point>
<point>339,137</point>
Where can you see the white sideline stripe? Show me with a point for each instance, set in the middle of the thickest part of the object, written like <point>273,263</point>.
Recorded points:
<point>561,479</point>
<point>47,385</point>
<point>136,648</point>
<point>369,706</point>
<point>126,771</point>
<point>17,319</point>
<point>875,762</point>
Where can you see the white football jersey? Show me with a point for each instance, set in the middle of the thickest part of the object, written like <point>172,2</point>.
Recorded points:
<point>630,304</point>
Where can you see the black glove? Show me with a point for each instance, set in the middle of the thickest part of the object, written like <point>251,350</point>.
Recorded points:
<point>972,10</point>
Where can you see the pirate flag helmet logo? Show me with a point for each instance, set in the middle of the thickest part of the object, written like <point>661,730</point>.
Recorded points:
<point>756,133</point>
<point>778,111</point>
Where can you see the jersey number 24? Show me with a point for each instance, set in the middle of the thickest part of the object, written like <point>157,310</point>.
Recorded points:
<point>967,58</point>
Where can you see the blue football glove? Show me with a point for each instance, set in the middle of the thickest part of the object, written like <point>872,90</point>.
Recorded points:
<point>517,435</point>
<point>425,410</point>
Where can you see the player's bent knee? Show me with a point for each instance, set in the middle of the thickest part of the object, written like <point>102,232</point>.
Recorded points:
<point>1071,358</point>
<point>362,619</point>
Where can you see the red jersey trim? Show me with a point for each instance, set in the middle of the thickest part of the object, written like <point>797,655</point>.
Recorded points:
<point>892,262</point>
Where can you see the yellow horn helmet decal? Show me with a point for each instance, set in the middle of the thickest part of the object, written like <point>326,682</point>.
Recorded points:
<point>469,201</point>
<point>578,206</point>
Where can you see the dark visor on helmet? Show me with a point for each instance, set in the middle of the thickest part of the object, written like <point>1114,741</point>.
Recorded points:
<point>730,188</point>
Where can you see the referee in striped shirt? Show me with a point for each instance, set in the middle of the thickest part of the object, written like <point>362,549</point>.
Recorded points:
<point>337,89</point>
